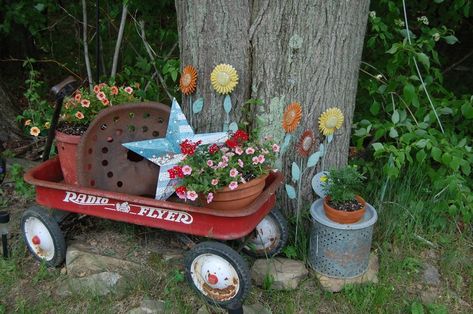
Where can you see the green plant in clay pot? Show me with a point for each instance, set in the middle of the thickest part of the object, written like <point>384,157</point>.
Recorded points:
<point>342,203</point>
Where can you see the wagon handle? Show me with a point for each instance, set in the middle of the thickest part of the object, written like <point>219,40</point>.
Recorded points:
<point>61,90</point>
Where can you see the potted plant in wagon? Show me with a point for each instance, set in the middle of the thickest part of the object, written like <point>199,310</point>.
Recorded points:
<point>77,113</point>
<point>342,204</point>
<point>228,176</point>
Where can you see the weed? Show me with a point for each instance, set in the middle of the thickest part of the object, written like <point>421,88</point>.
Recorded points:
<point>21,187</point>
<point>268,281</point>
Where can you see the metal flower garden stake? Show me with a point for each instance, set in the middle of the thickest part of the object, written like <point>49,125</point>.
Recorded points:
<point>188,85</point>
<point>224,79</point>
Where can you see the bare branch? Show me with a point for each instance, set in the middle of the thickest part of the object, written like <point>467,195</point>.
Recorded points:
<point>119,40</point>
<point>86,45</point>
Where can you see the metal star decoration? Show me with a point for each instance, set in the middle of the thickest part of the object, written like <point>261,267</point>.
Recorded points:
<point>166,152</point>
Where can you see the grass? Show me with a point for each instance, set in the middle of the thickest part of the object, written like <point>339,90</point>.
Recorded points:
<point>407,236</point>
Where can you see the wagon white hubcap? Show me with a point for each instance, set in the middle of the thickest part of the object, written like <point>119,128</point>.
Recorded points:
<point>266,236</point>
<point>39,238</point>
<point>215,277</point>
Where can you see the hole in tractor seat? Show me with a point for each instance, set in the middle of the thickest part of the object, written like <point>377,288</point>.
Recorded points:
<point>131,128</point>
<point>118,132</point>
<point>144,128</point>
<point>92,182</point>
<point>62,147</point>
<point>90,151</point>
<point>131,115</point>
<point>89,167</point>
<point>104,162</point>
<point>119,184</point>
<point>155,133</point>
<point>109,174</point>
<point>103,127</point>
<point>104,150</point>
<point>115,119</point>
<point>134,157</point>
<point>109,139</point>
<point>146,115</point>
<point>160,120</point>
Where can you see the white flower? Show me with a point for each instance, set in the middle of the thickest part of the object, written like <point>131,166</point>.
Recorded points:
<point>436,36</point>
<point>372,14</point>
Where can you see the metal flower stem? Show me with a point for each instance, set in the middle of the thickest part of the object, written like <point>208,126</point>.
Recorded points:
<point>191,110</point>
<point>322,163</point>
<point>298,208</point>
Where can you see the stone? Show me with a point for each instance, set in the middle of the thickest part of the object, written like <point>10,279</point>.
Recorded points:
<point>100,284</point>
<point>286,274</point>
<point>80,262</point>
<point>430,295</point>
<point>431,275</point>
<point>148,306</point>
<point>336,284</point>
<point>171,255</point>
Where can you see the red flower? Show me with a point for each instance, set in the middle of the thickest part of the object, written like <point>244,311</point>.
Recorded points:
<point>231,143</point>
<point>181,190</point>
<point>213,149</point>
<point>241,136</point>
<point>188,147</point>
<point>175,171</point>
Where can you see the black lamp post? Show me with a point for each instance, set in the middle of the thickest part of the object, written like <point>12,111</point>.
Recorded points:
<point>4,220</point>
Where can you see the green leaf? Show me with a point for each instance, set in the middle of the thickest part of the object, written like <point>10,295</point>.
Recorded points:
<point>393,132</point>
<point>439,1</point>
<point>417,308</point>
<point>291,192</point>
<point>424,59</point>
<point>421,143</point>
<point>420,155</point>
<point>285,145</point>
<point>467,111</point>
<point>393,49</point>
<point>296,172</point>
<point>450,39</point>
<point>378,147</point>
<point>410,95</point>
<point>455,163</point>
<point>446,158</point>
<point>395,117</point>
<point>198,105</point>
<point>227,104</point>
<point>436,153</point>
<point>375,107</point>
<point>313,159</point>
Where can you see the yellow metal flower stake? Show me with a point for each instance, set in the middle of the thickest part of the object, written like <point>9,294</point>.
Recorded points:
<point>224,79</point>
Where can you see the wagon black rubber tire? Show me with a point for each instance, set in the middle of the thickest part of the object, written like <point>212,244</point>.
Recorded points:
<point>281,224</point>
<point>231,256</point>
<point>47,219</point>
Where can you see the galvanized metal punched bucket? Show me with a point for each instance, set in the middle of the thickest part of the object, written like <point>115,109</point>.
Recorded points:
<point>340,250</point>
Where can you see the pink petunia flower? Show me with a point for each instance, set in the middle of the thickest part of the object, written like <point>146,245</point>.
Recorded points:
<point>210,197</point>
<point>85,103</point>
<point>238,150</point>
<point>224,149</point>
<point>233,173</point>
<point>241,163</point>
<point>210,163</point>
<point>186,170</point>
<point>261,159</point>
<point>101,95</point>
<point>255,160</point>
<point>128,90</point>
<point>250,151</point>
<point>214,181</point>
<point>225,159</point>
<point>192,195</point>
<point>233,185</point>
<point>275,148</point>
<point>222,164</point>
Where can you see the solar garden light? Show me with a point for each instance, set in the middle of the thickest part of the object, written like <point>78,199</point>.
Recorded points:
<point>4,220</point>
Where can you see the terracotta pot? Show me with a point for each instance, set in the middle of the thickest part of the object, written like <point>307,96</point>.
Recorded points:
<point>67,150</point>
<point>243,195</point>
<point>344,217</point>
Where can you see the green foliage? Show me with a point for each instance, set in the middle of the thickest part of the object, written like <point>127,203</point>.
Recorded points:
<point>397,117</point>
<point>39,112</point>
<point>342,184</point>
<point>21,187</point>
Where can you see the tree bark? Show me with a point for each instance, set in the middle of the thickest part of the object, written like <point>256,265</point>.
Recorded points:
<point>302,51</point>
<point>8,127</point>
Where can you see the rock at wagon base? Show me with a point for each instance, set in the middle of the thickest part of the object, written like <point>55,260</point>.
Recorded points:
<point>97,284</point>
<point>285,273</point>
<point>336,284</point>
<point>80,261</point>
<point>148,306</point>
<point>247,309</point>
<point>431,275</point>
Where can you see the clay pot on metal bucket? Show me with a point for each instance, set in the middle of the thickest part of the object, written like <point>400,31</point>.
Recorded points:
<point>67,150</point>
<point>242,196</point>
<point>342,216</point>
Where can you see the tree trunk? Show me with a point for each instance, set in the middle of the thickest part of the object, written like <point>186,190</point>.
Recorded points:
<point>303,51</point>
<point>8,127</point>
